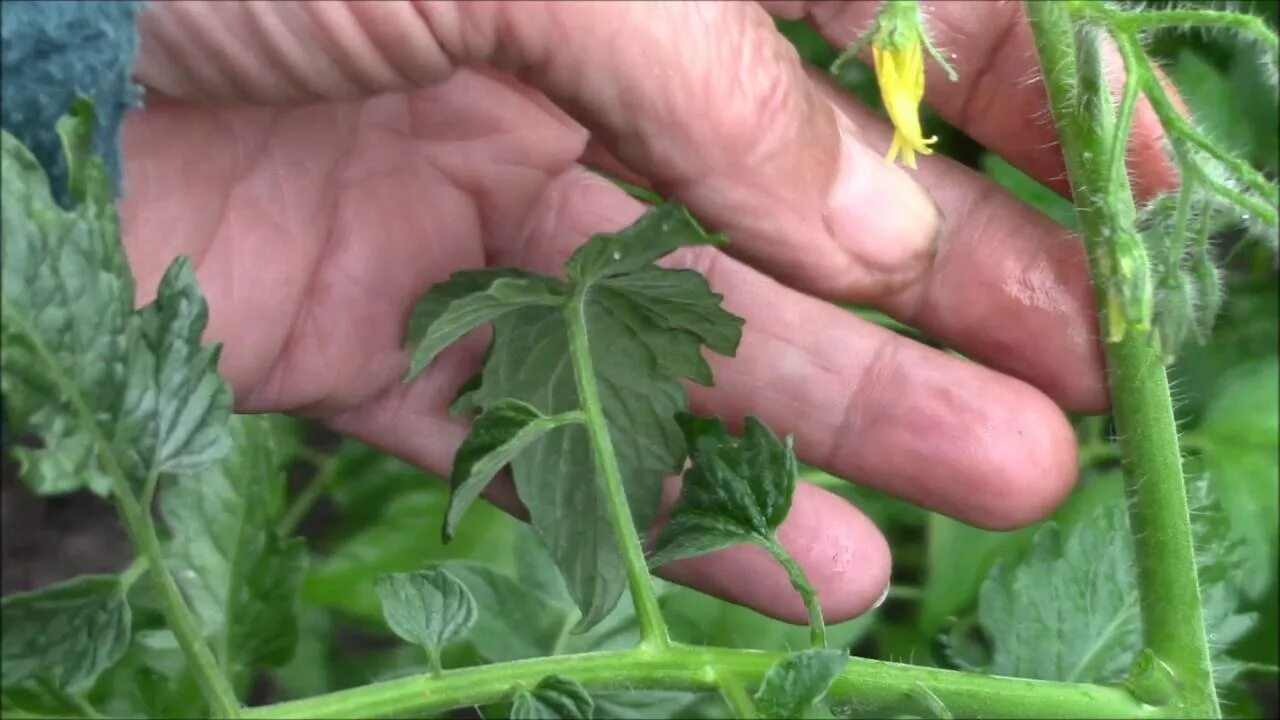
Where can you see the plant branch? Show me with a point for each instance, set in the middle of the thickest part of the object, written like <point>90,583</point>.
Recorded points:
<point>736,697</point>
<point>817,628</point>
<point>139,527</point>
<point>303,502</point>
<point>883,687</point>
<point>1146,19</point>
<point>653,629</point>
<point>1173,620</point>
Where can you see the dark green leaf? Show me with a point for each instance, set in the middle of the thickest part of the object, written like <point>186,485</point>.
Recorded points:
<point>468,300</point>
<point>736,490</point>
<point>798,681</point>
<point>657,233</point>
<point>497,436</point>
<point>554,698</point>
<point>152,680</point>
<point>175,407</point>
<point>639,359</point>
<point>240,577</point>
<point>65,634</point>
<point>430,608</point>
<point>1068,610</point>
<point>81,369</point>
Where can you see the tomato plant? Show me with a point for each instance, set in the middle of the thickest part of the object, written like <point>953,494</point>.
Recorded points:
<point>1151,592</point>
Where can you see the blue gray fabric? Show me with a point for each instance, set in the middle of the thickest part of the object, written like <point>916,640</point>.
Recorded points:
<point>52,50</point>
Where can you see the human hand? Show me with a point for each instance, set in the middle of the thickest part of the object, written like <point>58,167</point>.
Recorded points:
<point>323,164</point>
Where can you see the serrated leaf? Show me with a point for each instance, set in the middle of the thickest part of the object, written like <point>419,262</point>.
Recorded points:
<point>430,608</point>
<point>81,369</point>
<point>657,233</point>
<point>65,634</point>
<point>735,491</point>
<point>798,681</point>
<point>554,698</point>
<point>497,436</point>
<point>175,407</point>
<point>239,575</point>
<point>639,360</point>
<point>468,300</point>
<point>1069,611</point>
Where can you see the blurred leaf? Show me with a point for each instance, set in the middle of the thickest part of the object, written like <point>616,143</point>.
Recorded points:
<point>497,436</point>
<point>517,622</point>
<point>402,538</point>
<point>152,680</point>
<point>1239,439</point>
<point>65,634</point>
<point>239,576</point>
<point>696,618</point>
<point>959,558</point>
<point>736,491</point>
<point>553,698</point>
<point>429,608</point>
<point>1029,191</point>
<point>798,682</point>
<point>1213,102</point>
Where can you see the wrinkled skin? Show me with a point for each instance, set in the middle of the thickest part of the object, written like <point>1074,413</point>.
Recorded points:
<point>324,164</point>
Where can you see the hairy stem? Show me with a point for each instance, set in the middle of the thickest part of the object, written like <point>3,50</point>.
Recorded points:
<point>883,688</point>
<point>139,527</point>
<point>653,629</point>
<point>1147,19</point>
<point>1169,592</point>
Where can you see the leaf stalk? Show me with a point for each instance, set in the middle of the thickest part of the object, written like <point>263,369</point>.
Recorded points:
<point>653,628</point>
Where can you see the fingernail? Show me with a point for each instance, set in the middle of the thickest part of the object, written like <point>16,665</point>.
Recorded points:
<point>878,212</point>
<point>883,596</point>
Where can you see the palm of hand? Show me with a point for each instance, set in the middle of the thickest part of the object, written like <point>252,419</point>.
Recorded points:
<point>315,229</point>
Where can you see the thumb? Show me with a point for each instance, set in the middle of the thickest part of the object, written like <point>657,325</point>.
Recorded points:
<point>706,100</point>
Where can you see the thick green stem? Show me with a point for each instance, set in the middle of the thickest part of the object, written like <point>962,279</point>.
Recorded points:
<point>882,688</point>
<point>1169,592</point>
<point>141,531</point>
<point>653,629</point>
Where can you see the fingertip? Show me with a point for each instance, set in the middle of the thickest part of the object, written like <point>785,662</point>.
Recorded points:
<point>842,553</point>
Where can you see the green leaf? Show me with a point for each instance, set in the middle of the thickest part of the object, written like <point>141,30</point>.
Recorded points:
<point>468,300</point>
<point>639,358</point>
<point>1068,610</point>
<point>554,698</point>
<point>430,608</point>
<point>240,577</point>
<point>657,233</point>
<point>736,490</point>
<point>798,682</point>
<point>151,680</point>
<point>1239,439</point>
<point>175,407</point>
<point>959,557</point>
<point>1029,190</point>
<point>518,622</point>
<point>81,369</point>
<point>65,634</point>
<point>497,436</point>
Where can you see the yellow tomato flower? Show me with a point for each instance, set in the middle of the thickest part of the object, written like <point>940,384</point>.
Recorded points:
<point>900,71</point>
